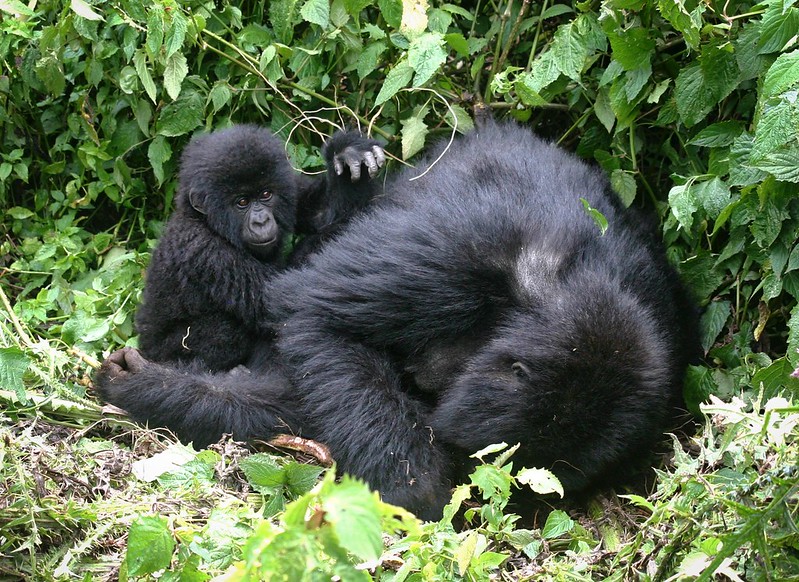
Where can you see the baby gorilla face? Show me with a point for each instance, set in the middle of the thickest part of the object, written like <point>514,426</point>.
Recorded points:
<point>260,232</point>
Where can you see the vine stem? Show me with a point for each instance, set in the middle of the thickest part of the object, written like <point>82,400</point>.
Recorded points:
<point>26,340</point>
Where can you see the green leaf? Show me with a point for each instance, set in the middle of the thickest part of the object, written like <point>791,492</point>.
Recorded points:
<point>544,72</point>
<point>140,62</point>
<point>458,42</point>
<point>220,96</point>
<point>182,116</point>
<point>84,10</point>
<point>776,378</point>
<point>779,25</point>
<point>596,216</point>
<point>354,513</point>
<point>414,131</point>
<point>155,29</point>
<point>558,523</point>
<point>624,185</point>
<point>425,55</point>
<point>793,337</point>
<point>783,164</point>
<point>158,152</point>
<point>13,364</point>
<point>683,205</point>
<point>282,15</point>
<point>354,7</point>
<point>713,195</point>
<point>15,8</point>
<point>50,72</point>
<point>150,545</point>
<point>525,92</point>
<point>263,472</point>
<point>782,75</point>
<point>176,34</point>
<point>693,97</point>
<point>316,12</point>
<point>300,478</point>
<point>174,73</point>
<point>718,135</point>
<point>541,481</point>
<point>397,78</point>
<point>633,48</point>
<point>712,322</point>
<point>686,23</point>
<point>569,51</point>
<point>369,58</point>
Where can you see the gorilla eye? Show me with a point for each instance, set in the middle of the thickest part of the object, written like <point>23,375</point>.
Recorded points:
<point>266,196</point>
<point>242,202</point>
<point>521,371</point>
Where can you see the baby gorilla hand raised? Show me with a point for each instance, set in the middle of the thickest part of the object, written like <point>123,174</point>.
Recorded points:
<point>364,153</point>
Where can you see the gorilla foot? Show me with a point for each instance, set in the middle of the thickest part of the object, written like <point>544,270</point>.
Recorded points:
<point>122,363</point>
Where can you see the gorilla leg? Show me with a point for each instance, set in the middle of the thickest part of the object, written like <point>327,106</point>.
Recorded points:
<point>196,405</point>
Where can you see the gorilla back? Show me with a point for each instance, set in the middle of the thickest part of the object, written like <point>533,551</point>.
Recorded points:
<point>478,304</point>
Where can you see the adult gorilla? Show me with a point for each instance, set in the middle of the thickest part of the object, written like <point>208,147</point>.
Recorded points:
<point>476,304</point>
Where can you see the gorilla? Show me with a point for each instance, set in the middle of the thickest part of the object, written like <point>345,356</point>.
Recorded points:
<point>238,202</point>
<point>478,303</point>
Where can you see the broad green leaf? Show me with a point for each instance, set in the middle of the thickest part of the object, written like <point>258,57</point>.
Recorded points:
<point>397,78</point>
<point>159,152</point>
<point>84,10</point>
<point>779,25</point>
<point>458,42</point>
<point>768,221</point>
<point>176,34</point>
<point>142,70</point>
<point>300,478</point>
<point>693,97</point>
<point>635,80</point>
<point>713,195</point>
<point>683,205</point>
<point>783,164</point>
<point>220,96</point>
<point>369,58</point>
<point>354,7</point>
<point>632,48</point>
<point>782,75</point>
<point>603,110</point>
<point>525,92</point>
<point>465,551</point>
<point>316,12</point>
<point>569,51</point>
<point>414,131</point>
<point>776,378</point>
<point>425,55</point>
<point>50,72</point>
<point>688,24</point>
<point>712,322</point>
<point>624,185</point>
<point>718,135</point>
<point>541,481</point>
<point>174,73</point>
<point>720,69</point>
<point>353,511</point>
<point>544,71</point>
<point>462,120</point>
<point>155,29</point>
<point>598,218</point>
<point>182,116</point>
<point>558,523</point>
<point>150,545</point>
<point>262,471</point>
<point>15,8</point>
<point>775,128</point>
<point>13,364</point>
<point>391,11</point>
<point>282,15</point>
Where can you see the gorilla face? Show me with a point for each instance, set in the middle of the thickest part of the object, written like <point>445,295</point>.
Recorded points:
<point>260,232</point>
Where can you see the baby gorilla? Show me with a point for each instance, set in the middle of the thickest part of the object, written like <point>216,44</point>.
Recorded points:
<point>238,202</point>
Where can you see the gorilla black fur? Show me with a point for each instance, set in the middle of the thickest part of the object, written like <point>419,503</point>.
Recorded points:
<point>237,202</point>
<point>476,304</point>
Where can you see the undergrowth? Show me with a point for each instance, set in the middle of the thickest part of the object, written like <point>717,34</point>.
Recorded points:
<point>691,109</point>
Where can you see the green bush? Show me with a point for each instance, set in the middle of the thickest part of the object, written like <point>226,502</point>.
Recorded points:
<point>690,107</point>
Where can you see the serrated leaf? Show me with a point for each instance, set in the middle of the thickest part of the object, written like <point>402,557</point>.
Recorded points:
<point>541,481</point>
<point>13,364</point>
<point>675,12</point>
<point>633,48</point>
<point>525,92</point>
<point>391,11</point>
<point>544,71</point>
<point>316,12</point>
<point>783,165</point>
<point>414,131</point>
<point>778,27</point>
<point>558,523</point>
<point>150,545</point>
<point>262,471</point>
<point>176,34</point>
<point>301,478</point>
<point>603,110</point>
<point>158,152</point>
<point>140,63</point>
<point>352,509</point>
<point>354,7</point>
<point>155,29</point>
<point>84,10</point>
<point>718,135</point>
<point>462,120</point>
<point>425,55</point>
<point>713,195</point>
<point>712,322</point>
<point>624,185</point>
<point>683,205</point>
<point>174,73</point>
<point>15,8</point>
<point>569,51</point>
<point>182,116</point>
<point>782,74</point>
<point>281,15</point>
<point>369,58</point>
<point>397,78</point>
<point>693,98</point>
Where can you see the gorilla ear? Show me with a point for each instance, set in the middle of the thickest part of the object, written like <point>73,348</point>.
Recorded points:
<point>521,371</point>
<point>197,202</point>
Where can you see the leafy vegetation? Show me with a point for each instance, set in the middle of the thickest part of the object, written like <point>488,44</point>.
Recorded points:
<point>690,107</point>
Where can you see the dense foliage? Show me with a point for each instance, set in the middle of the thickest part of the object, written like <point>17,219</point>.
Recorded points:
<point>690,107</point>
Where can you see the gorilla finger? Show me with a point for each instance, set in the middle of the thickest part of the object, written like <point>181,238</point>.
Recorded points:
<point>355,169</point>
<point>339,167</point>
<point>371,164</point>
<point>380,155</point>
